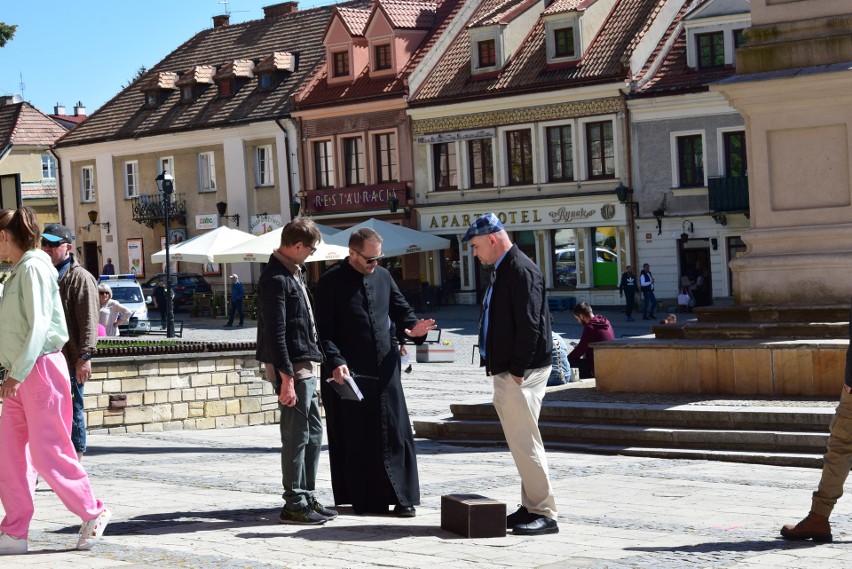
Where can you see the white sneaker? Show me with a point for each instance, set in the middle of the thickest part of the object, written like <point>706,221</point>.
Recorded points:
<point>12,545</point>
<point>91,531</point>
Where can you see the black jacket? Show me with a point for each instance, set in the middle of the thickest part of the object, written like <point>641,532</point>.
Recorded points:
<point>284,333</point>
<point>518,336</point>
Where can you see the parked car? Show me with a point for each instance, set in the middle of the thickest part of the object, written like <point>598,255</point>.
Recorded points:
<point>127,291</point>
<point>184,285</point>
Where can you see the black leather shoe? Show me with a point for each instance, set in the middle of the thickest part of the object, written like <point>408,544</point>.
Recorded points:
<point>404,511</point>
<point>522,516</point>
<point>538,525</point>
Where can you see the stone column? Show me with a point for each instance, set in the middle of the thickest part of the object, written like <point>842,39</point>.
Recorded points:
<point>794,88</point>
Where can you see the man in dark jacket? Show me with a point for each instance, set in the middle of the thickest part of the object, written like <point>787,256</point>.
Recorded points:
<point>595,329</point>
<point>515,348</point>
<point>370,443</point>
<point>627,290</point>
<point>287,342</point>
<point>79,292</point>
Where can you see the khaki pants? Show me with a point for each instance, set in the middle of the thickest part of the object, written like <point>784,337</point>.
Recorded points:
<point>518,407</point>
<point>837,460</point>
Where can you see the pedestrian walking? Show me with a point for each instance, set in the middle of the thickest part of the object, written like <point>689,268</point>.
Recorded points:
<point>649,301</point>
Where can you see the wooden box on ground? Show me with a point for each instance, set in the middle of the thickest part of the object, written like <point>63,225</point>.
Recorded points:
<point>472,515</point>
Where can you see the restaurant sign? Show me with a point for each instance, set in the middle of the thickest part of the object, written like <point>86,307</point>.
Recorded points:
<point>356,199</point>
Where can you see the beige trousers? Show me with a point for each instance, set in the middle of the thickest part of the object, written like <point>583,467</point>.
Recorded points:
<point>838,458</point>
<point>518,407</point>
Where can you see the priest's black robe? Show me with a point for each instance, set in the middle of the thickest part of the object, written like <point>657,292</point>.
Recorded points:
<point>371,445</point>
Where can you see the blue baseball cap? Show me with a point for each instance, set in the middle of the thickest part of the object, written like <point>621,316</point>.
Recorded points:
<point>488,223</point>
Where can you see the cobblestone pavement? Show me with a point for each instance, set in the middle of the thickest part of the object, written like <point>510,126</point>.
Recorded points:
<point>201,499</point>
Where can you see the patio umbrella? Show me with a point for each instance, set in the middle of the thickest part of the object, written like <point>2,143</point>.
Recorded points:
<point>201,249</point>
<point>259,249</point>
<point>396,239</point>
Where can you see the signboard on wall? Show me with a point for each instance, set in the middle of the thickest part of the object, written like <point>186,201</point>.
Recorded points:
<point>207,221</point>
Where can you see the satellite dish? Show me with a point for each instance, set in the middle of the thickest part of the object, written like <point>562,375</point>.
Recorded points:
<point>17,99</point>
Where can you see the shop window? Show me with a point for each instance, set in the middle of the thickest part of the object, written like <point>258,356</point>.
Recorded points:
<point>564,258</point>
<point>560,158</point>
<point>481,162</point>
<point>600,150</point>
<point>690,161</point>
<point>605,258</point>
<point>735,154</point>
<point>519,151</point>
<point>444,166</point>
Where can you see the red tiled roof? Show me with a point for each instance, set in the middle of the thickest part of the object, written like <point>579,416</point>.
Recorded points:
<point>492,12</point>
<point>560,6</point>
<point>236,68</point>
<point>126,116</point>
<point>23,125</point>
<point>666,72</point>
<point>318,92</point>
<point>355,19</point>
<point>604,60</point>
<point>409,15</point>
<point>39,190</point>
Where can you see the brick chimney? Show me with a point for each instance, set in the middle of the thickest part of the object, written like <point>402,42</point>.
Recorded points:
<point>277,10</point>
<point>221,21</point>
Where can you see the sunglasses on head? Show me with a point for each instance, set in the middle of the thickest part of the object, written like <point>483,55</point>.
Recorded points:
<point>51,244</point>
<point>371,260</point>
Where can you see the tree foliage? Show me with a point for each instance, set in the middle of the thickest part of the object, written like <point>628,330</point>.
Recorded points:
<point>139,73</point>
<point>7,32</point>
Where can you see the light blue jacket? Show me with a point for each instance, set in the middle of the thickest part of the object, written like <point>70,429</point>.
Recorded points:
<point>33,322</point>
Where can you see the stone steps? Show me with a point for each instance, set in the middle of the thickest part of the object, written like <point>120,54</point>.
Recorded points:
<point>789,436</point>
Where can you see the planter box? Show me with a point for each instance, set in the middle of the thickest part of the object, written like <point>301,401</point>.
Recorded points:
<point>431,353</point>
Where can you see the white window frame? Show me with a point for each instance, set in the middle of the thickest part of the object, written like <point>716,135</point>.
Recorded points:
<point>87,184</point>
<point>478,35</point>
<point>581,159</point>
<point>167,164</point>
<point>130,174</point>
<point>364,166</point>
<point>206,172</point>
<point>465,173</point>
<point>720,148</point>
<point>550,27</point>
<point>263,166</point>
<point>374,154</point>
<point>543,162</point>
<point>727,28</point>
<point>675,164</point>
<point>48,163</point>
<point>456,170</point>
<point>501,155</point>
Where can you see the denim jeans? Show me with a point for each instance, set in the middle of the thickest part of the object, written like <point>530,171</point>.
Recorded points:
<point>301,443</point>
<point>78,419</point>
<point>236,306</point>
<point>650,304</point>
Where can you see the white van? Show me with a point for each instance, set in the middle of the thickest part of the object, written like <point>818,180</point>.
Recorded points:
<point>127,291</point>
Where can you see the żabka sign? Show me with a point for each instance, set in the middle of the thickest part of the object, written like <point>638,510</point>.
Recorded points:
<point>355,199</point>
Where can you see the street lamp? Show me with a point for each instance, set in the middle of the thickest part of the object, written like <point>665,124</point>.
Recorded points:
<point>165,183</point>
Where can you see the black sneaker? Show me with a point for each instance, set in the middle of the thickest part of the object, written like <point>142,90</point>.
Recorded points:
<point>321,510</point>
<point>305,516</point>
<point>522,516</point>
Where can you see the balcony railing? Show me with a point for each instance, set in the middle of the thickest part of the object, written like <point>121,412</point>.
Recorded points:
<point>728,194</point>
<point>149,210</point>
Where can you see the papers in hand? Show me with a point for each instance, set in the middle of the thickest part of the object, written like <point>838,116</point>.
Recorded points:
<point>347,390</point>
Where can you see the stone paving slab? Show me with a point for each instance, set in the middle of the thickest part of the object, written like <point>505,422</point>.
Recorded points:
<point>211,499</point>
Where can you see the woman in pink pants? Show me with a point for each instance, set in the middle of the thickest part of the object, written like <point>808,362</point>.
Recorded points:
<point>35,425</point>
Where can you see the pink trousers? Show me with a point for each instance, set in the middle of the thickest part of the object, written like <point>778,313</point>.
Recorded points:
<point>35,436</point>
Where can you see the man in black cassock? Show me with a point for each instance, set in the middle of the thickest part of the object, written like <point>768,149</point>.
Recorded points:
<point>371,447</point>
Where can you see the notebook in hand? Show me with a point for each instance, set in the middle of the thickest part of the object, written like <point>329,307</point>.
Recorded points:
<point>347,390</point>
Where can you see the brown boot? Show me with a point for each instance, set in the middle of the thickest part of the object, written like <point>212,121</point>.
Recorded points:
<point>814,526</point>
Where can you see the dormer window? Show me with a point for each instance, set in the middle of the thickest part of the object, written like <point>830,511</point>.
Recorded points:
<point>340,64</point>
<point>382,55</point>
<point>265,81</point>
<point>486,54</point>
<point>152,99</point>
<point>711,50</point>
<point>157,88</point>
<point>226,88</point>
<point>186,94</point>
<point>563,39</point>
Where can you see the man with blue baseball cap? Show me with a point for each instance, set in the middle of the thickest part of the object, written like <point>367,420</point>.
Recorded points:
<point>515,348</point>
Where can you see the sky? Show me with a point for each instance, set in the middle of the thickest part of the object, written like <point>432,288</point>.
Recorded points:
<point>65,52</point>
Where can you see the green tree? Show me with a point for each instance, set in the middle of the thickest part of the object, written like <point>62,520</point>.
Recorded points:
<point>139,73</point>
<point>7,32</point>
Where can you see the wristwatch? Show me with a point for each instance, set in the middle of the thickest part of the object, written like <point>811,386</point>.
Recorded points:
<point>86,356</point>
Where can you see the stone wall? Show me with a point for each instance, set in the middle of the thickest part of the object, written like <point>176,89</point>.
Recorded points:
<point>178,391</point>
